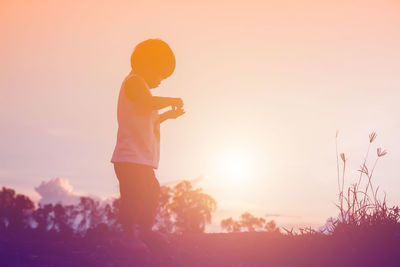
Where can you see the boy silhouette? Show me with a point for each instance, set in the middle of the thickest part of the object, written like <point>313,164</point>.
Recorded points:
<point>137,150</point>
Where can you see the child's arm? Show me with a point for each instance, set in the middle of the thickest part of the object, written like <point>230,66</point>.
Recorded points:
<point>159,102</point>
<point>136,90</point>
<point>171,114</point>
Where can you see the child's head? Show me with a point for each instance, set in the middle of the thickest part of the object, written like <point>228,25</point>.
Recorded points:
<point>154,60</point>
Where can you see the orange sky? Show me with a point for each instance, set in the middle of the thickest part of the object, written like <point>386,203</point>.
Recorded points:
<point>269,81</point>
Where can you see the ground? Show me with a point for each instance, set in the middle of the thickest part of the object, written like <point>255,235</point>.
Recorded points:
<point>205,249</point>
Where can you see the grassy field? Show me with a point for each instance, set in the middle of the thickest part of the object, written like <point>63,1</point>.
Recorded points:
<point>366,232</point>
<point>217,249</point>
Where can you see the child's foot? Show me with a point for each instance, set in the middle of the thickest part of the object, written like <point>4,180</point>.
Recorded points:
<point>136,245</point>
<point>132,242</point>
<point>155,239</point>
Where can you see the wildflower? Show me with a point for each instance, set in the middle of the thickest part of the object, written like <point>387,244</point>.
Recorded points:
<point>372,137</point>
<point>364,169</point>
<point>343,157</point>
<point>381,152</point>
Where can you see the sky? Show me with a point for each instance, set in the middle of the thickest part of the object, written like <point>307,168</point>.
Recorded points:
<point>266,85</point>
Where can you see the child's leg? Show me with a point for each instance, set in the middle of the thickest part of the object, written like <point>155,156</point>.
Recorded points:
<point>151,191</point>
<point>154,239</point>
<point>131,190</point>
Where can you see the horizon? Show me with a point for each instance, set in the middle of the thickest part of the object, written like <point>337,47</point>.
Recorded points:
<point>59,190</point>
<point>261,138</point>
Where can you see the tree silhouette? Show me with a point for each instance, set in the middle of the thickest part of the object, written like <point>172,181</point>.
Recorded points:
<point>230,225</point>
<point>111,213</point>
<point>42,216</point>
<point>181,209</point>
<point>90,214</point>
<point>271,226</point>
<point>191,208</point>
<point>249,222</point>
<point>15,210</point>
<point>56,219</point>
<point>164,216</point>
<point>63,219</point>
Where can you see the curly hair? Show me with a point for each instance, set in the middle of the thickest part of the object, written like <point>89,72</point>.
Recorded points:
<point>154,54</point>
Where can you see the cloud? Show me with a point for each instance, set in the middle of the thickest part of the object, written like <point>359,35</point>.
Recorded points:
<point>57,190</point>
<point>60,190</point>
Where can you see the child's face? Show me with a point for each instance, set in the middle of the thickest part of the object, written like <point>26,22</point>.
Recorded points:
<point>152,78</point>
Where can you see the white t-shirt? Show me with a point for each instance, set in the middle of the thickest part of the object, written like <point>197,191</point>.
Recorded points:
<point>138,137</point>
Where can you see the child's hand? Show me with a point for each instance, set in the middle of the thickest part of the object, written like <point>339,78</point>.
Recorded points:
<point>175,113</point>
<point>171,114</point>
<point>177,103</point>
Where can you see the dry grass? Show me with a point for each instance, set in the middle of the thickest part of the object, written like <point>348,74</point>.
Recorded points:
<point>361,209</point>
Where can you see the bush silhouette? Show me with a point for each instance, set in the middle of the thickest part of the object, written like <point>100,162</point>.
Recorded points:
<point>230,225</point>
<point>249,222</point>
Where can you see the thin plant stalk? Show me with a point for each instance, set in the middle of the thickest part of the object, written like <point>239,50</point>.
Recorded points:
<point>365,161</point>
<point>369,180</point>
<point>337,163</point>
<point>343,172</point>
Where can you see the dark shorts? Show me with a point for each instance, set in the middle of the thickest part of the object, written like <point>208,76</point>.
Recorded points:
<point>140,192</point>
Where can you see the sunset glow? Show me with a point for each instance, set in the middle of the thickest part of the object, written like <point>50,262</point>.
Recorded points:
<point>236,167</point>
<point>265,85</point>
<point>199,133</point>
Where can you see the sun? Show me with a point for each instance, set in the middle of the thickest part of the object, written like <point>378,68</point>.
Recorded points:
<point>236,166</point>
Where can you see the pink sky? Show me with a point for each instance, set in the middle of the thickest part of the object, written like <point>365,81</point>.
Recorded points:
<point>267,83</point>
